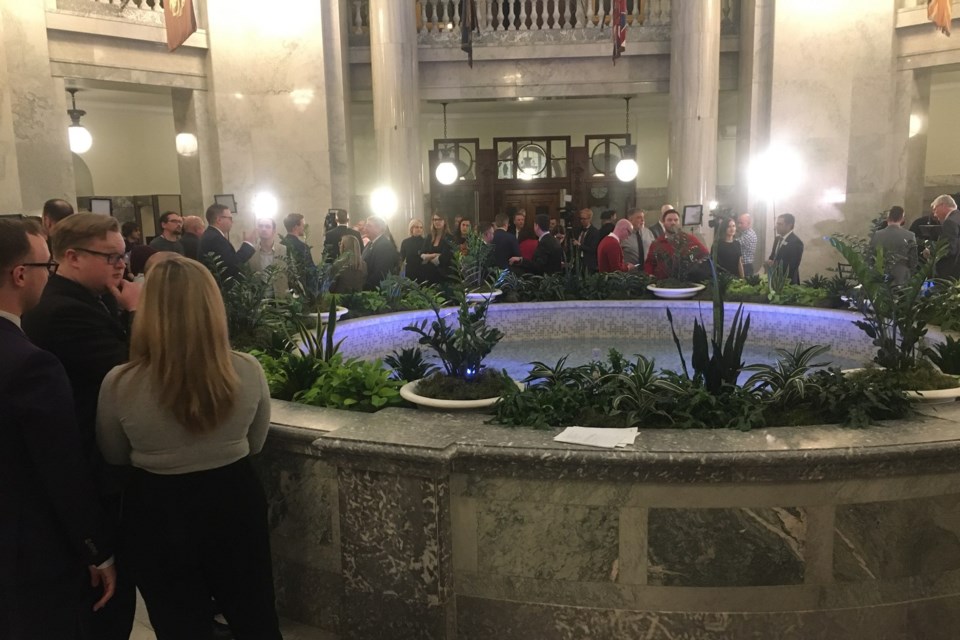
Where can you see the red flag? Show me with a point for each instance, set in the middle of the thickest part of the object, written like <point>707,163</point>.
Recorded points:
<point>939,12</point>
<point>618,22</point>
<point>180,21</point>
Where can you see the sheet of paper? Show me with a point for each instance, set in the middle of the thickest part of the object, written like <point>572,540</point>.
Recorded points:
<point>596,437</point>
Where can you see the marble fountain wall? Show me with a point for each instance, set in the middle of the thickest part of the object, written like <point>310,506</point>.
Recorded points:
<point>416,524</point>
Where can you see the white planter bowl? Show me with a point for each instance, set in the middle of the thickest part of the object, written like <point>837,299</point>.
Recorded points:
<point>408,392</point>
<point>675,294</point>
<point>326,314</point>
<point>477,296</point>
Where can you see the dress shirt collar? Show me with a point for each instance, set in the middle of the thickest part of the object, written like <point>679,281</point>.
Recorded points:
<point>12,318</point>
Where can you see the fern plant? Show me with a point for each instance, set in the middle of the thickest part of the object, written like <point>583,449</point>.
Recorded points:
<point>788,379</point>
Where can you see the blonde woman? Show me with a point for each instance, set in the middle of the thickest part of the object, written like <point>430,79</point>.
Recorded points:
<point>410,250</point>
<point>437,251</point>
<point>186,412</point>
<point>354,273</point>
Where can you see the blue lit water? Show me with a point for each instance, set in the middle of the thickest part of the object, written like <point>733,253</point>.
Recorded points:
<point>515,355</point>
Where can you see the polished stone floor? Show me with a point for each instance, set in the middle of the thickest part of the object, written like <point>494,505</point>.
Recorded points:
<point>291,630</point>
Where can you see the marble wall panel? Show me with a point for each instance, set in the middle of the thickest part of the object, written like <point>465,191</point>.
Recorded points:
<point>479,619</point>
<point>883,540</point>
<point>395,553</point>
<point>553,542</point>
<point>726,547</point>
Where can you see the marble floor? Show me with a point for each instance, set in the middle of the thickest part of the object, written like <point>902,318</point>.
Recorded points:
<point>291,630</point>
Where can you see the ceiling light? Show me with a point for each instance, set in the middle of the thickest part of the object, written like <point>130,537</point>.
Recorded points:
<point>627,169</point>
<point>446,170</point>
<point>80,138</point>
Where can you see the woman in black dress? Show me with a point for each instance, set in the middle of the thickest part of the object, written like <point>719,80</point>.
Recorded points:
<point>410,251</point>
<point>437,251</point>
<point>728,255</point>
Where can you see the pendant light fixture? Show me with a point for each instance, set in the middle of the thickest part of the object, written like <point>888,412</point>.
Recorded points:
<point>80,138</point>
<point>627,168</point>
<point>446,171</point>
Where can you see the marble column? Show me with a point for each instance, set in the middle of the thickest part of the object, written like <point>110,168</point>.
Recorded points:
<point>335,17</point>
<point>200,176</point>
<point>396,107</point>
<point>915,87</point>
<point>35,160</point>
<point>694,101</point>
<point>756,83</point>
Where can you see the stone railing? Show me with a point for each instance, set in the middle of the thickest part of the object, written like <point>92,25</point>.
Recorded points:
<point>148,12</point>
<point>435,17</point>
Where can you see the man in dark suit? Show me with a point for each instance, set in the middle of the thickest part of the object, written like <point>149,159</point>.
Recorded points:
<point>380,254</point>
<point>216,240</point>
<point>52,528</point>
<point>331,242</point>
<point>548,257</point>
<point>587,240</point>
<point>944,207</point>
<point>299,251</point>
<point>505,245</point>
<point>82,318</point>
<point>787,248</point>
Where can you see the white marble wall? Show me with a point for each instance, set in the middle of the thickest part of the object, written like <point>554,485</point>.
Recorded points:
<point>37,165</point>
<point>837,100</point>
<point>269,102</point>
<point>200,177</point>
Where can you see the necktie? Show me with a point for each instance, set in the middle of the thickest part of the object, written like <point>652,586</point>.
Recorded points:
<point>776,247</point>
<point>639,245</point>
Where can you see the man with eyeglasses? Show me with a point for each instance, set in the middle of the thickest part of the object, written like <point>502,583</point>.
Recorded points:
<point>171,225</point>
<point>52,540</point>
<point>216,240</point>
<point>83,319</point>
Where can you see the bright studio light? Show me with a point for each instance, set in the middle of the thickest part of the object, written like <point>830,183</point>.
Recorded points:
<point>384,202</point>
<point>713,205</point>
<point>80,139</point>
<point>916,124</point>
<point>776,173</point>
<point>186,144</point>
<point>446,172</point>
<point>265,205</point>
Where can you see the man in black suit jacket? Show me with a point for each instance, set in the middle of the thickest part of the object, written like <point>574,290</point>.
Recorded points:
<point>505,245</point>
<point>299,251</point>
<point>82,318</point>
<point>787,248</point>
<point>216,240</point>
<point>52,528</point>
<point>945,209</point>
<point>548,257</point>
<point>381,255</point>
<point>331,242</point>
<point>587,240</point>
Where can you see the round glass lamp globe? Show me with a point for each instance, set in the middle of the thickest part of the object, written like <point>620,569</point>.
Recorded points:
<point>384,202</point>
<point>447,173</point>
<point>186,144</point>
<point>265,205</point>
<point>627,170</point>
<point>80,139</point>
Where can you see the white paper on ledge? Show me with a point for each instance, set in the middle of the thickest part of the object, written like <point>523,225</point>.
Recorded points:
<point>596,437</point>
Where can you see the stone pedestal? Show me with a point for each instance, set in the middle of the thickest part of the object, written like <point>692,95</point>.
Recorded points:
<point>694,87</point>
<point>396,107</point>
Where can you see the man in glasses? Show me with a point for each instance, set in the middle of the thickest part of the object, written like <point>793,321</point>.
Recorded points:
<point>52,527</point>
<point>216,240</point>
<point>83,319</point>
<point>171,228</point>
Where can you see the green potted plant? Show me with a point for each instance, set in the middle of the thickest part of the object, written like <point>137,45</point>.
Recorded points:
<point>681,261</point>
<point>474,268</point>
<point>895,318</point>
<point>460,347</point>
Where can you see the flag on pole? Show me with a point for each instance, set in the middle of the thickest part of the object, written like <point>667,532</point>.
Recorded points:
<point>618,22</point>
<point>468,22</point>
<point>939,12</point>
<point>180,21</point>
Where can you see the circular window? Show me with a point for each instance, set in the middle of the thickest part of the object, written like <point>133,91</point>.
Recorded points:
<point>531,160</point>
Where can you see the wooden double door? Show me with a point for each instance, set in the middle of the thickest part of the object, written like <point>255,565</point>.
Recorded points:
<point>534,201</point>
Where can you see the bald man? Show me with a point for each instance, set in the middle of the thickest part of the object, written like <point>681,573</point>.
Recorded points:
<point>610,253</point>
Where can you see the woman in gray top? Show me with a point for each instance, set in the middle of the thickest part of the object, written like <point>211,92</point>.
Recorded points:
<point>186,412</point>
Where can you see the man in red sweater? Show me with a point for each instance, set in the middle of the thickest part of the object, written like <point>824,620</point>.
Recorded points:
<point>610,253</point>
<point>662,263</point>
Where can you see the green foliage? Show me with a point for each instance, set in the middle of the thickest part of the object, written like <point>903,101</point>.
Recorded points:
<point>403,294</point>
<point>462,348</point>
<point>571,284</point>
<point>679,262</point>
<point>788,379</point>
<point>946,355</point>
<point>472,268</point>
<point>716,361</point>
<point>776,281</point>
<point>894,317</point>
<point>352,384</point>
<point>409,364</point>
<point>487,384</point>
<point>945,305</point>
<point>856,402</point>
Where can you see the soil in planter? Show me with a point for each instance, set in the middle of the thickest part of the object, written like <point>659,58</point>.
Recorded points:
<point>489,384</point>
<point>921,378</point>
